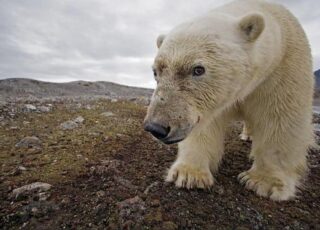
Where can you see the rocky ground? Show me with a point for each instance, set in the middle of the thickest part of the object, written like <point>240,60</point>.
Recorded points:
<point>89,165</point>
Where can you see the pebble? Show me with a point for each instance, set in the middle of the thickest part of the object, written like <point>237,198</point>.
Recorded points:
<point>155,203</point>
<point>44,196</point>
<point>22,168</point>
<point>30,107</point>
<point>107,114</point>
<point>79,120</point>
<point>101,193</point>
<point>72,124</point>
<point>68,125</point>
<point>44,109</point>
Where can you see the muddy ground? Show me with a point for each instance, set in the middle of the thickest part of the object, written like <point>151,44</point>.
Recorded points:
<point>107,173</point>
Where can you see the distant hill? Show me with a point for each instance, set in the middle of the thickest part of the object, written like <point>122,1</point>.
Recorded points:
<point>16,88</point>
<point>317,75</point>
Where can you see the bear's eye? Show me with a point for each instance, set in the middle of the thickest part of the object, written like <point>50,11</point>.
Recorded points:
<point>154,73</point>
<point>198,71</point>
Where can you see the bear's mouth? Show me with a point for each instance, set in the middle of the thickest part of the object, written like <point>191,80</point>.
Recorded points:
<point>169,141</point>
<point>177,135</point>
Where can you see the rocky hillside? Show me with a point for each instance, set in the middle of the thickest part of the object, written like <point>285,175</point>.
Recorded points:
<point>90,165</point>
<point>16,89</point>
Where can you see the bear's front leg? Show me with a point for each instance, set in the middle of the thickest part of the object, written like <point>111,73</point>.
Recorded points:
<point>198,157</point>
<point>278,166</point>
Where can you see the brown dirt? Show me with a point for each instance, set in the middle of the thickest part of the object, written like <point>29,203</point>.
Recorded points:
<point>108,174</point>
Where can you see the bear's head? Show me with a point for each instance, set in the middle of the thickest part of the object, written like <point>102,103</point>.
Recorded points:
<point>202,67</point>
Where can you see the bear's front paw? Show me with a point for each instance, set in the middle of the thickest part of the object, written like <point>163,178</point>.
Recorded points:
<point>188,176</point>
<point>267,185</point>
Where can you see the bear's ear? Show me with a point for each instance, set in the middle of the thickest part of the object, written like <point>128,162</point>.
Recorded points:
<point>252,26</point>
<point>160,40</point>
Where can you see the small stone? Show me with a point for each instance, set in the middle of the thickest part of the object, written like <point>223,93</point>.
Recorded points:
<point>28,142</point>
<point>108,114</point>
<point>43,196</point>
<point>94,134</point>
<point>220,190</point>
<point>65,200</point>
<point>22,168</point>
<point>155,203</point>
<point>34,210</point>
<point>30,107</point>
<point>114,100</point>
<point>68,125</point>
<point>44,109</point>
<point>101,193</point>
<point>79,120</point>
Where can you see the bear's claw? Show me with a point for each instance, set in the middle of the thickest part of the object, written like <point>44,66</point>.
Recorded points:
<point>266,186</point>
<point>245,137</point>
<point>186,176</point>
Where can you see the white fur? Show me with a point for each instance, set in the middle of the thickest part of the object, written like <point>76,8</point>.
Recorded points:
<point>258,68</point>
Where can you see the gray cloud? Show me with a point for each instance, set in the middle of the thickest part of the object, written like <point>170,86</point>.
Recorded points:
<point>100,39</point>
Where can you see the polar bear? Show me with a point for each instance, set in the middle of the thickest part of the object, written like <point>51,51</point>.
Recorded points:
<point>247,60</point>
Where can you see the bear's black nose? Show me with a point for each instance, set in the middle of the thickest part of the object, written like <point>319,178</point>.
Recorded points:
<point>157,130</point>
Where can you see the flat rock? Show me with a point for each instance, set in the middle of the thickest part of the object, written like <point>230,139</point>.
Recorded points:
<point>69,125</point>
<point>44,109</point>
<point>30,188</point>
<point>30,107</point>
<point>29,142</point>
<point>131,209</point>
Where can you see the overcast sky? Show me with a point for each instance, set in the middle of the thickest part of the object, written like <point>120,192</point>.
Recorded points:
<point>104,40</point>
